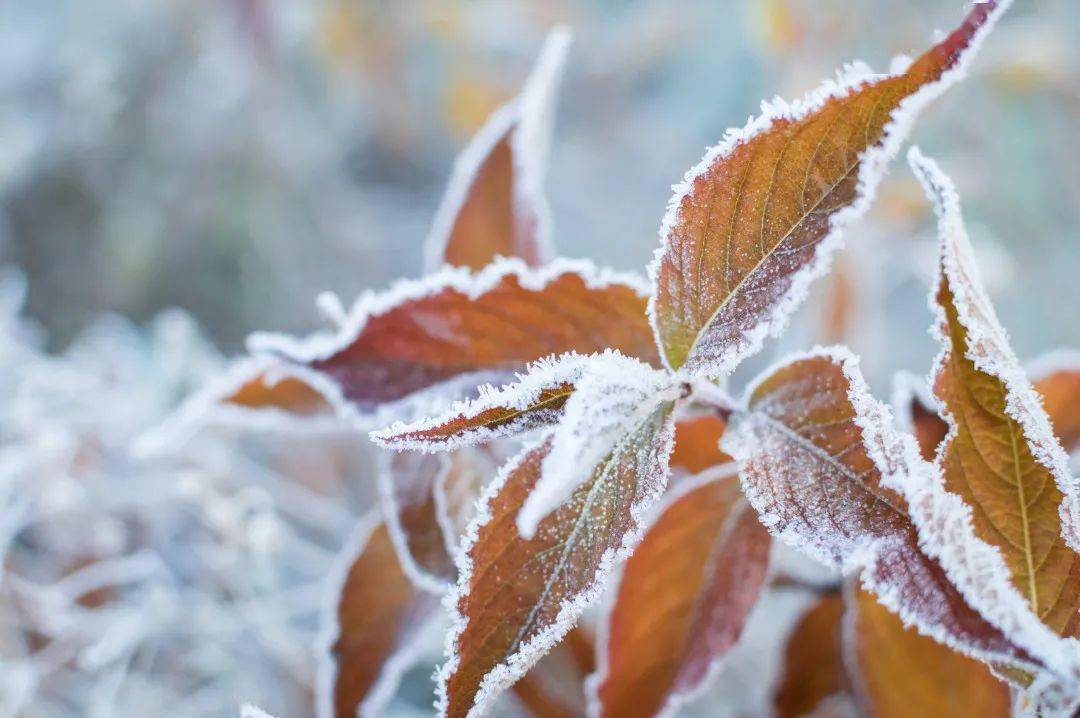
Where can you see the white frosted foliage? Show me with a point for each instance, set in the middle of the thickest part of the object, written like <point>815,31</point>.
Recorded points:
<point>613,396</point>
<point>519,395</point>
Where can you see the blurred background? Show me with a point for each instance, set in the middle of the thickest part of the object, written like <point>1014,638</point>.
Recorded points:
<point>233,158</point>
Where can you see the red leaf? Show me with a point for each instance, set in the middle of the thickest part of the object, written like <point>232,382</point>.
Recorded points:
<point>458,325</point>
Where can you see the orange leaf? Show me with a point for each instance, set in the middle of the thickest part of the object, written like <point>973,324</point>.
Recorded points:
<point>1059,387</point>
<point>456,325</point>
<point>813,447</point>
<point>1001,457</point>
<point>372,629</point>
<point>553,688</point>
<point>755,221</point>
<point>495,203</point>
<point>291,394</point>
<point>813,670</point>
<point>517,597</point>
<point>683,599</point>
<point>899,673</point>
<point>697,444</point>
<point>407,483</point>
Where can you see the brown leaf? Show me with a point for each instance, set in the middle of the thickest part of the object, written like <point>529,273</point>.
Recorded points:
<point>488,325</point>
<point>813,669</point>
<point>742,235</point>
<point>804,452</point>
<point>407,483</point>
<point>683,599</point>
<point>697,443</point>
<point>1060,390</point>
<point>536,399</point>
<point>899,673</point>
<point>373,629</point>
<point>1001,458</point>
<point>517,597</point>
<point>495,203</point>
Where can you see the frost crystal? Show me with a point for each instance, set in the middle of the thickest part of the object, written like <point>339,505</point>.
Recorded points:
<point>614,394</point>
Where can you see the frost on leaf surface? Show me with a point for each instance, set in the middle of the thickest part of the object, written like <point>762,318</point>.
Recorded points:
<point>999,510</point>
<point>517,597</point>
<point>813,675</point>
<point>535,399</point>
<point>495,203</point>
<point>456,324</point>
<point>613,396</point>
<point>682,601</point>
<point>812,448</point>
<point>755,221</point>
<point>898,673</point>
<point>371,626</point>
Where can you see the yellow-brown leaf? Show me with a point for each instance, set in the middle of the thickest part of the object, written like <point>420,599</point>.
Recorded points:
<point>683,599</point>
<point>742,235</point>
<point>991,461</point>
<point>899,673</point>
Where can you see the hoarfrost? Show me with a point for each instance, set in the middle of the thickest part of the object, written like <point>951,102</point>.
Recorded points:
<point>519,396</point>
<point>614,394</point>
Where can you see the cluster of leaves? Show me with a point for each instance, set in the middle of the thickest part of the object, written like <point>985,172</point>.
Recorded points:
<point>955,529</point>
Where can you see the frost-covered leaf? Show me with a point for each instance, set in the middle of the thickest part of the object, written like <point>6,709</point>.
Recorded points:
<point>458,325</point>
<point>407,484</point>
<point>536,399</point>
<point>813,669</point>
<point>898,673</point>
<point>1057,379</point>
<point>613,396</point>
<point>813,446</point>
<point>516,597</point>
<point>495,202</point>
<point>1000,457</point>
<point>697,443</point>
<point>1001,441</point>
<point>683,600</point>
<point>371,627</point>
<point>756,220</point>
